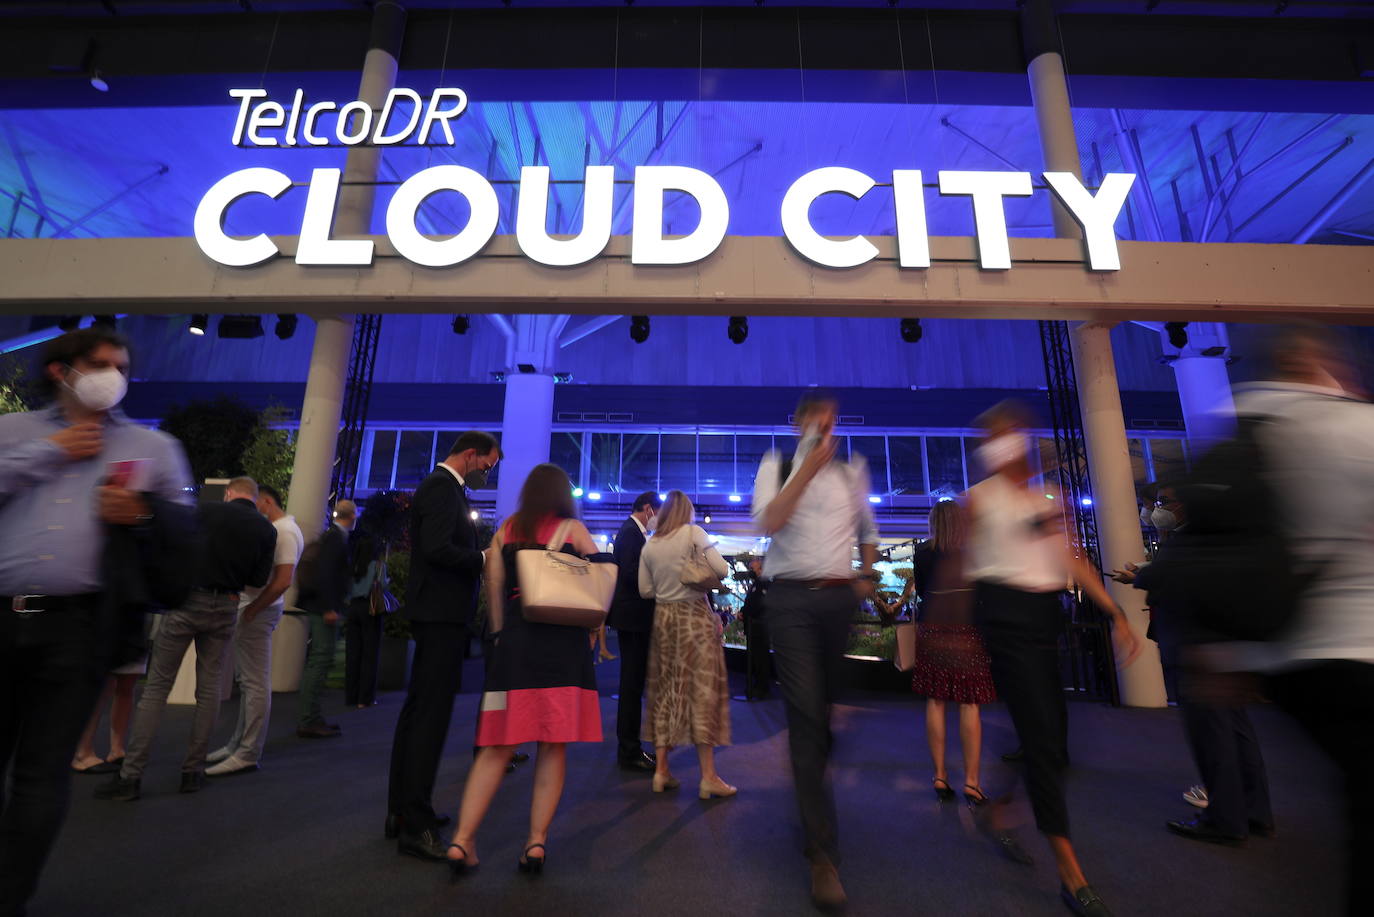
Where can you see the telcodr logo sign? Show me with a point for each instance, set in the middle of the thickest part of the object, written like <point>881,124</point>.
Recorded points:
<point>357,123</point>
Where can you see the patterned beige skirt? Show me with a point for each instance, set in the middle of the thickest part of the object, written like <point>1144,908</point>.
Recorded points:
<point>688,692</point>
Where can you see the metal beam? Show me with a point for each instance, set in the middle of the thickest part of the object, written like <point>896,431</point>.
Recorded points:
<point>1340,147</point>
<point>587,329</point>
<point>747,275</point>
<point>97,210</point>
<point>981,145</point>
<point>1324,215</point>
<point>1129,148</point>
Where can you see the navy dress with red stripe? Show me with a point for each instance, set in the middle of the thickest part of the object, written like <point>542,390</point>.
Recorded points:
<point>540,686</point>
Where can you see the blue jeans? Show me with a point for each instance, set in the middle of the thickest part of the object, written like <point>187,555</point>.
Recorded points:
<point>323,637</point>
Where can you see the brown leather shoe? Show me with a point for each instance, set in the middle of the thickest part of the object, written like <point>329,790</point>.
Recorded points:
<point>826,890</point>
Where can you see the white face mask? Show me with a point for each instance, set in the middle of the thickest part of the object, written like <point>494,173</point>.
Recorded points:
<point>99,390</point>
<point>1163,519</point>
<point>996,454</point>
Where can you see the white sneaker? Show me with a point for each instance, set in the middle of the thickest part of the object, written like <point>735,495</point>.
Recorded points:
<point>218,755</point>
<point>1196,796</point>
<point>230,765</point>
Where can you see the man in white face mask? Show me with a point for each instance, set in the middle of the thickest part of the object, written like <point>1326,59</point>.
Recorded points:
<point>75,479</point>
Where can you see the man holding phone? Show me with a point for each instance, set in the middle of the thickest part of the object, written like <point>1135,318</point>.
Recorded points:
<point>815,507</point>
<point>72,475</point>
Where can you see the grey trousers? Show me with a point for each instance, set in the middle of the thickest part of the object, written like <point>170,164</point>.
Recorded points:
<point>208,621</point>
<point>253,672</point>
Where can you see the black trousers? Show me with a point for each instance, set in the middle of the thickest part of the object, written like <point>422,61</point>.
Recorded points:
<point>810,628</point>
<point>1227,753</point>
<point>52,667</point>
<point>758,664</point>
<point>1334,702</point>
<point>362,652</point>
<point>634,669</point>
<point>435,675</point>
<point>1021,632</point>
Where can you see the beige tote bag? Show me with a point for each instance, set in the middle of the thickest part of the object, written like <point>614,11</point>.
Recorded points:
<point>696,569</point>
<point>905,659</point>
<point>558,588</point>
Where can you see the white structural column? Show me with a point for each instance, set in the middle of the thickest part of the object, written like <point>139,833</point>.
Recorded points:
<point>527,422</point>
<point>1204,385</point>
<point>324,387</point>
<point>1099,395</point>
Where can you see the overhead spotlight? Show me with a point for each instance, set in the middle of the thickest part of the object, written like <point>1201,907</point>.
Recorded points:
<point>240,326</point>
<point>639,328</point>
<point>286,326</point>
<point>706,519</point>
<point>562,378</point>
<point>739,329</point>
<point>199,323</point>
<point>69,322</point>
<point>109,321</point>
<point>1178,333</point>
<point>461,324</point>
<point>911,330</point>
<point>98,81</point>
<point>577,492</point>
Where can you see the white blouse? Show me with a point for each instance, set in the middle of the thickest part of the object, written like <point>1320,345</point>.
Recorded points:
<point>661,563</point>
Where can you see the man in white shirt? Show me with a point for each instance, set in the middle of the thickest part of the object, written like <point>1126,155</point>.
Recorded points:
<point>1320,453</point>
<point>815,508</point>
<point>259,612</point>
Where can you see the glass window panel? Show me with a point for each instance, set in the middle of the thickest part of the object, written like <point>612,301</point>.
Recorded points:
<point>1139,473</point>
<point>639,462</point>
<point>605,470</point>
<point>383,455</point>
<point>565,451</point>
<point>908,474</point>
<point>716,464</point>
<point>413,459</point>
<point>1048,455</point>
<point>842,448</point>
<point>1169,460</point>
<point>946,465</point>
<point>874,450</point>
<point>749,450</point>
<point>679,462</point>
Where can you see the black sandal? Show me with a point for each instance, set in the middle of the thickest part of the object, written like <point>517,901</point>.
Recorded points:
<point>458,867</point>
<point>975,798</point>
<point>532,865</point>
<point>943,793</point>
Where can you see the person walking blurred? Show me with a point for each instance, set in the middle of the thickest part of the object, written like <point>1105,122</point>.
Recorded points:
<point>815,507</point>
<point>540,685</point>
<point>688,689</point>
<point>1020,560</point>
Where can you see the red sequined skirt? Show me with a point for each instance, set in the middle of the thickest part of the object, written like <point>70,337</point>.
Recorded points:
<point>952,665</point>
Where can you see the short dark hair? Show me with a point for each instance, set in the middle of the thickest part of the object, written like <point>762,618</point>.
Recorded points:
<point>813,400</point>
<point>648,498</point>
<point>1281,344</point>
<point>267,490</point>
<point>72,346</point>
<point>481,443</point>
<point>1011,409</point>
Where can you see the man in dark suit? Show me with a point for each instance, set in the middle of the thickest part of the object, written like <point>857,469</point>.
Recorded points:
<point>441,597</point>
<point>325,599</point>
<point>633,619</point>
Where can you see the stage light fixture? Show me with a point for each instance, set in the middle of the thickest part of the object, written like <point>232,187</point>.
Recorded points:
<point>639,328</point>
<point>98,81</point>
<point>562,378</point>
<point>240,326</point>
<point>1178,334</point>
<point>199,322</point>
<point>911,330</point>
<point>739,329</point>
<point>69,322</point>
<point>109,321</point>
<point>286,326</point>
<point>706,519</point>
<point>461,324</point>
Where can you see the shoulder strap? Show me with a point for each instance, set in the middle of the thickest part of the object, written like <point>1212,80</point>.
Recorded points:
<point>560,535</point>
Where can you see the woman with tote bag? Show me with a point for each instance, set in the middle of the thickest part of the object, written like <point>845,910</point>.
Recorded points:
<point>688,693</point>
<point>540,685</point>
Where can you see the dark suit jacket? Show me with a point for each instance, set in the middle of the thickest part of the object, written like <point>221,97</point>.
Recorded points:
<point>445,560</point>
<point>628,610</point>
<point>333,575</point>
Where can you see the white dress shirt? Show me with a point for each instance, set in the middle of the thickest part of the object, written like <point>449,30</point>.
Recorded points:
<point>817,543</point>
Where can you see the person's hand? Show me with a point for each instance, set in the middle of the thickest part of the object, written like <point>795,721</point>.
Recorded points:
<point>1124,641</point>
<point>249,614</point>
<point>79,441</point>
<point>1126,576</point>
<point>118,506</point>
<point>331,617</point>
<point>864,588</point>
<point>819,457</point>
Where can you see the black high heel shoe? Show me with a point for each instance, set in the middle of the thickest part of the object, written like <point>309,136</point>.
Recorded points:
<point>942,793</point>
<point>458,867</point>
<point>975,798</point>
<point>532,865</point>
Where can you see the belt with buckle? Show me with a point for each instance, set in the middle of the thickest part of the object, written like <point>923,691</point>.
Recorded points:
<point>213,590</point>
<point>36,604</point>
